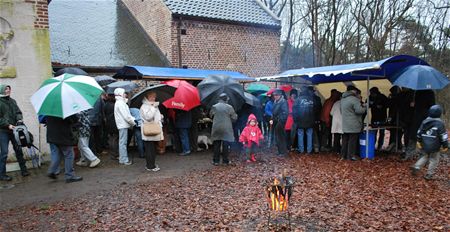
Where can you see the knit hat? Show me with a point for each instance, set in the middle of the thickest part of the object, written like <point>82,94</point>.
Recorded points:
<point>119,92</point>
<point>293,91</point>
<point>278,92</point>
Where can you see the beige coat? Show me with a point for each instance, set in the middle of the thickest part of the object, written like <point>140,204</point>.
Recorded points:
<point>150,113</point>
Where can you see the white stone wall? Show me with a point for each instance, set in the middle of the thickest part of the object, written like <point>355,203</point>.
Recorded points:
<point>29,51</point>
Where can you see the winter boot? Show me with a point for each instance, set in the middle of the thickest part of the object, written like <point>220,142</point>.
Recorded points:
<point>253,158</point>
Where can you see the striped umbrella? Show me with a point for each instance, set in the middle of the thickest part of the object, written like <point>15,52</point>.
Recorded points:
<point>65,95</point>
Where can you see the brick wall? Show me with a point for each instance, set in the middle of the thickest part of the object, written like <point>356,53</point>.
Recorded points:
<point>155,19</point>
<point>206,45</point>
<point>41,13</point>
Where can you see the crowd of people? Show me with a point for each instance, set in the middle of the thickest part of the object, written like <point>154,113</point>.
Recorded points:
<point>296,121</point>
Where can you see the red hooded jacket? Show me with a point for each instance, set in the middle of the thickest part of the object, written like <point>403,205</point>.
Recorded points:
<point>251,133</point>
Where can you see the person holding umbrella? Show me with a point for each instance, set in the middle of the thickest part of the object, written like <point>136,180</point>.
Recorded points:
<point>150,113</point>
<point>60,99</point>
<point>124,121</point>
<point>10,116</point>
<point>223,115</point>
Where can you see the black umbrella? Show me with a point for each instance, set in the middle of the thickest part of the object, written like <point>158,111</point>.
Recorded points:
<point>163,92</point>
<point>250,99</point>
<point>104,80</point>
<point>127,85</point>
<point>211,87</point>
<point>71,70</point>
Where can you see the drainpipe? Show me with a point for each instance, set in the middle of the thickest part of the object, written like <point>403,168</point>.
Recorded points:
<point>180,56</point>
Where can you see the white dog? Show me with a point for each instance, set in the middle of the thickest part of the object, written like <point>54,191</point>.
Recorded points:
<point>204,138</point>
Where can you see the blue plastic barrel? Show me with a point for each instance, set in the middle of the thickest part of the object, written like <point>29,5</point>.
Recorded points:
<point>362,148</point>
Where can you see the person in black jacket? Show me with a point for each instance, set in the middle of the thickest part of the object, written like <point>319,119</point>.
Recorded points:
<point>183,123</point>
<point>317,135</point>
<point>304,117</point>
<point>378,108</point>
<point>431,136</point>
<point>61,135</point>
<point>280,113</point>
<point>422,101</point>
<point>10,117</point>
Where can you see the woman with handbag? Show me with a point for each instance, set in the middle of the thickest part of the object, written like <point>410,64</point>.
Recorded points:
<point>151,129</point>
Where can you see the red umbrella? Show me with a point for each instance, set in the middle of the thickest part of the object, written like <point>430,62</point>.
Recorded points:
<point>286,88</point>
<point>185,98</point>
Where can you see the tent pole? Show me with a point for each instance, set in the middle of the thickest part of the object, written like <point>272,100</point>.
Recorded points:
<point>367,116</point>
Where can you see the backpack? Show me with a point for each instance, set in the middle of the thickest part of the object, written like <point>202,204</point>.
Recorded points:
<point>429,134</point>
<point>22,136</point>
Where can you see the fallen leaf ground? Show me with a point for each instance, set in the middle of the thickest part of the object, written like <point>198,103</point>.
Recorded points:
<point>330,195</point>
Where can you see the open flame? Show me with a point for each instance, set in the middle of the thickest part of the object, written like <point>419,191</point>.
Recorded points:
<point>278,194</point>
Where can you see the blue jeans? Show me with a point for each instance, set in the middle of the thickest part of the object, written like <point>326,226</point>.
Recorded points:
<point>139,142</point>
<point>58,151</point>
<point>5,137</point>
<point>184,138</point>
<point>123,139</point>
<point>309,138</point>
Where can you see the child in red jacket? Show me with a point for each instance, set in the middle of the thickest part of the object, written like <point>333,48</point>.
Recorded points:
<point>250,137</point>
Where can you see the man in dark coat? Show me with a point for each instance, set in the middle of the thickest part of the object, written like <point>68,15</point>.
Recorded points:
<point>183,122</point>
<point>96,119</point>
<point>422,101</point>
<point>378,107</point>
<point>280,113</point>
<point>317,110</point>
<point>61,135</point>
<point>10,116</point>
<point>304,118</point>
<point>223,116</point>
<point>193,132</point>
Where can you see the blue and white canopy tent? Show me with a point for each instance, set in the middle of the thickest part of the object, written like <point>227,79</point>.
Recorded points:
<point>383,69</point>
<point>159,73</point>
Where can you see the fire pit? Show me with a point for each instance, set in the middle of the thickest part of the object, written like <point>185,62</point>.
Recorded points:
<point>278,195</point>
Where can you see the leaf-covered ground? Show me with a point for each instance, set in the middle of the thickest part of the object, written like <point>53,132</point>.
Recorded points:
<point>330,195</point>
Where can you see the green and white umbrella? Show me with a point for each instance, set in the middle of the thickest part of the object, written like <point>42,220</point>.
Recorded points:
<point>65,95</point>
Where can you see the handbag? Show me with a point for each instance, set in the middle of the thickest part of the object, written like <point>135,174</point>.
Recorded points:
<point>151,128</point>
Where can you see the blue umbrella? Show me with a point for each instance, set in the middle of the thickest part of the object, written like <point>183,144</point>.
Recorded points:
<point>420,77</point>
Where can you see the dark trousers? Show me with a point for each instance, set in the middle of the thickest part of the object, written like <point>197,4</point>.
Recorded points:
<point>326,136</point>
<point>316,137</point>
<point>396,137</point>
<point>193,136</point>
<point>96,140</point>
<point>150,153</point>
<point>280,137</point>
<point>349,145</point>
<point>337,142</point>
<point>5,137</point>
<point>220,149</point>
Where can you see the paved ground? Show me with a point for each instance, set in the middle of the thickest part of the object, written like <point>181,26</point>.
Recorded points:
<point>39,189</point>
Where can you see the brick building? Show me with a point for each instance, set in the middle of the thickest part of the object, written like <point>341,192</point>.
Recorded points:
<point>236,35</point>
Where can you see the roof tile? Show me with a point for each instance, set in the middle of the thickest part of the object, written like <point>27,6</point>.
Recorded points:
<point>244,11</point>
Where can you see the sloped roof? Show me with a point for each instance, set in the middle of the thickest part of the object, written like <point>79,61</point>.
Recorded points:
<point>242,11</point>
<point>97,33</point>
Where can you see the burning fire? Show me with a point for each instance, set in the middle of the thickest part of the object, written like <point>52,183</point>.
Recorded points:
<point>278,194</point>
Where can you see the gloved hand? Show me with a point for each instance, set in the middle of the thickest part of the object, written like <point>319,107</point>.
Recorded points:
<point>419,145</point>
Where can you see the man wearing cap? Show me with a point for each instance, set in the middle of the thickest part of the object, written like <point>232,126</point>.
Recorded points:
<point>124,121</point>
<point>279,117</point>
<point>223,116</point>
<point>352,122</point>
<point>10,116</point>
